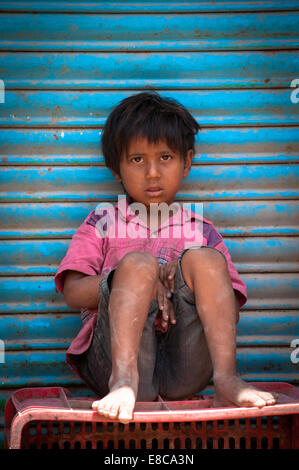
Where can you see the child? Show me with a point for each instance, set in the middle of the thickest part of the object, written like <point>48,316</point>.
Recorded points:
<point>159,312</point>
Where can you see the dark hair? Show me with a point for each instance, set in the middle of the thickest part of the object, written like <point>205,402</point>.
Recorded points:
<point>151,116</point>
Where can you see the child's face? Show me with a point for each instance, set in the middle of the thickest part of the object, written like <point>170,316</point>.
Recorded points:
<point>152,173</point>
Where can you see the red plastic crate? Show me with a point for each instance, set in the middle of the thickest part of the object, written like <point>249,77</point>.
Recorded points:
<point>49,417</point>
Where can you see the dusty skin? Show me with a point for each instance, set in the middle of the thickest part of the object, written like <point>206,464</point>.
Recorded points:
<point>128,307</point>
<point>118,404</point>
<point>205,272</point>
<point>230,390</point>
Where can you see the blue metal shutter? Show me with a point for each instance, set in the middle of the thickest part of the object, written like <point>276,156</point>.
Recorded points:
<point>64,66</point>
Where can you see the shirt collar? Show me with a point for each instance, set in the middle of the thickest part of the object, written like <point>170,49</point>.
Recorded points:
<point>183,214</point>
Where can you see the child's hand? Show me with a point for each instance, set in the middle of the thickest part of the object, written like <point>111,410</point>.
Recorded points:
<point>166,274</point>
<point>165,305</point>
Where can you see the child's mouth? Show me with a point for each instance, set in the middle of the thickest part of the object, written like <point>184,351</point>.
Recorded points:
<point>155,191</point>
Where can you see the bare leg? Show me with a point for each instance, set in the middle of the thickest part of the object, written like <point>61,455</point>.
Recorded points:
<point>206,274</point>
<point>133,288</point>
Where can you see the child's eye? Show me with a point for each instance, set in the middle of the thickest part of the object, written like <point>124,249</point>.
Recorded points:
<point>167,157</point>
<point>134,159</point>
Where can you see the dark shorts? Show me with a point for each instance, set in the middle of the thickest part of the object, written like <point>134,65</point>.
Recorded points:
<point>175,365</point>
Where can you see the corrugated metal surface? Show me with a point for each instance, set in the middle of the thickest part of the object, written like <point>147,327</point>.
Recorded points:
<point>64,65</point>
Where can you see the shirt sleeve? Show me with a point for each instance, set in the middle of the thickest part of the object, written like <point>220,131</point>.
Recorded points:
<point>84,254</point>
<point>215,240</point>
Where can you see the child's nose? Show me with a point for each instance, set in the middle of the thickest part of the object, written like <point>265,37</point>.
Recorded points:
<point>152,170</point>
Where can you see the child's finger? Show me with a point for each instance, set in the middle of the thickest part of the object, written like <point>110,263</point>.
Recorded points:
<point>172,318</point>
<point>161,272</point>
<point>170,278</point>
<point>171,282</point>
<point>160,296</point>
<point>168,281</point>
<point>163,275</point>
<point>165,313</point>
<point>168,315</point>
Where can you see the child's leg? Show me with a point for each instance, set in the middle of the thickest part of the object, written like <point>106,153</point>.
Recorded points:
<point>184,366</point>
<point>133,288</point>
<point>206,274</point>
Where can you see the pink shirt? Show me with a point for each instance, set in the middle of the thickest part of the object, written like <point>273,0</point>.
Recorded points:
<point>107,235</point>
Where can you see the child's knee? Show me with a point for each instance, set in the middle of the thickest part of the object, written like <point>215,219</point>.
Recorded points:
<point>203,259</point>
<point>141,263</point>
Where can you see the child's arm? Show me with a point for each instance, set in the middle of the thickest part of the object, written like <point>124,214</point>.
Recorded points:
<point>80,290</point>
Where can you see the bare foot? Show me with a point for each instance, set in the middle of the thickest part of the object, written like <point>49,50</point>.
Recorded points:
<point>230,390</point>
<point>118,404</point>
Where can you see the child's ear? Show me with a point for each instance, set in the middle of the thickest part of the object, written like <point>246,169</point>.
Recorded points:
<point>116,175</point>
<point>188,163</point>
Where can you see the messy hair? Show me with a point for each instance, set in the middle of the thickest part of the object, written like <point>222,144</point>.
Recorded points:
<point>151,116</point>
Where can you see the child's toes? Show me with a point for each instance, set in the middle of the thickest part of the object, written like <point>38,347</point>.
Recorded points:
<point>270,401</point>
<point>268,397</point>
<point>106,412</point>
<point>259,402</point>
<point>113,412</point>
<point>96,405</point>
<point>101,407</point>
<point>125,414</point>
